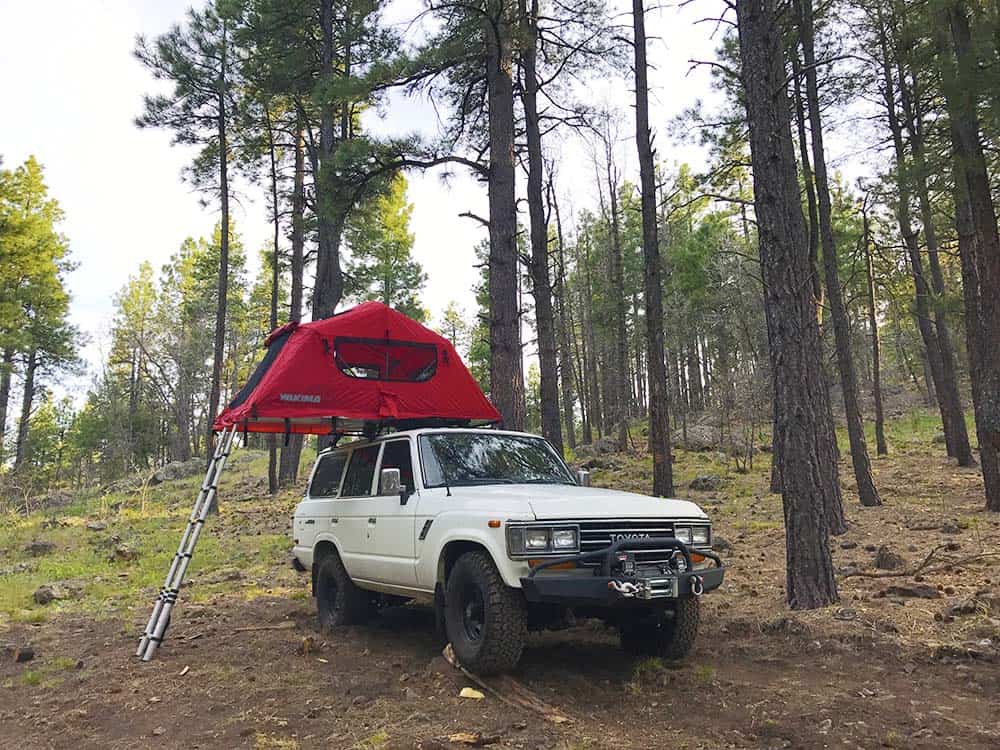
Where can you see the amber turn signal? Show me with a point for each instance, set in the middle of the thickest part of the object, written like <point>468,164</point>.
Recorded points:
<point>560,566</point>
<point>493,523</point>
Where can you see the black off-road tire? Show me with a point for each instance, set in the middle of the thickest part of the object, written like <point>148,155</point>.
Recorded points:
<point>476,584</point>
<point>669,636</point>
<point>338,601</point>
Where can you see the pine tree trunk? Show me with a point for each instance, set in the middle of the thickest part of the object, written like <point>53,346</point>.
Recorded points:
<point>617,371</point>
<point>807,178</point>
<point>219,349</point>
<point>541,288</point>
<point>6,373</point>
<point>659,414</point>
<point>880,444</point>
<point>272,441</point>
<point>506,367</point>
<point>980,251</point>
<point>288,466</point>
<point>564,310</point>
<point>796,356</point>
<point>928,334</point>
<point>27,401</point>
<point>959,446</point>
<point>329,284</point>
<point>860,460</point>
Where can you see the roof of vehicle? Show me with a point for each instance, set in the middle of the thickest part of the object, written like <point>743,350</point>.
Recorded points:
<point>367,367</point>
<point>424,431</point>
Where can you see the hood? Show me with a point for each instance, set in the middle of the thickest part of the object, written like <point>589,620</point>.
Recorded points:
<point>565,501</point>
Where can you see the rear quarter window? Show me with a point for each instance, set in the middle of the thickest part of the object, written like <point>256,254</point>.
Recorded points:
<point>326,478</point>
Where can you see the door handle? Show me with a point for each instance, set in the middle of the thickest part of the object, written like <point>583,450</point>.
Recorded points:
<point>372,521</point>
<point>334,520</point>
<point>310,521</point>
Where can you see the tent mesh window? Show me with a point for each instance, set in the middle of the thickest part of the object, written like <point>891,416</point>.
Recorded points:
<point>385,359</point>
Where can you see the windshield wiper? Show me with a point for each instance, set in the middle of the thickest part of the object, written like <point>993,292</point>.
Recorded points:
<point>483,480</point>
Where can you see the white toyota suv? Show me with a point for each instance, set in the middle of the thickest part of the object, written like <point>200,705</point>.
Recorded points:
<point>495,529</point>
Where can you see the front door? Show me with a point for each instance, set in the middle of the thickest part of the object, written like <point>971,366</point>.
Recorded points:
<point>391,541</point>
<point>354,511</point>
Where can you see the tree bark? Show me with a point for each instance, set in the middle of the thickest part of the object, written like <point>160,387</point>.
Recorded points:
<point>506,366</point>
<point>944,395</point>
<point>796,356</point>
<point>27,401</point>
<point>219,349</point>
<point>807,178</point>
<point>564,311</point>
<point>329,284</point>
<point>288,468</point>
<point>867,492</point>
<point>880,444</point>
<point>958,440</point>
<point>659,414</point>
<point>617,372</point>
<point>272,441</point>
<point>980,251</point>
<point>6,373</point>
<point>541,288</point>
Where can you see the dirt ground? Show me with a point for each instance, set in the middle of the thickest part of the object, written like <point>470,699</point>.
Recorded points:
<point>909,659</point>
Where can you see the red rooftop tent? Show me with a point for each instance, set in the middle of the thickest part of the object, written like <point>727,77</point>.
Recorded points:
<point>367,364</point>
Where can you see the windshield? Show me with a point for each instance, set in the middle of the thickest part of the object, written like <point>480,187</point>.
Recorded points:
<point>467,458</point>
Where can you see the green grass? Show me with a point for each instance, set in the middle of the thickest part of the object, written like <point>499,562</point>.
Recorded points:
<point>150,522</point>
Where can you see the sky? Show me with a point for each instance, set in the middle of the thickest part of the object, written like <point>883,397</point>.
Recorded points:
<point>72,89</point>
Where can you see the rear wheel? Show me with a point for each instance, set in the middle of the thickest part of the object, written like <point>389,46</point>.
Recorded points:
<point>669,634</point>
<point>338,601</point>
<point>486,620</point>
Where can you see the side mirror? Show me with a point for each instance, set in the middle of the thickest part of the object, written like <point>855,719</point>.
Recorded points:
<point>583,477</point>
<point>389,482</point>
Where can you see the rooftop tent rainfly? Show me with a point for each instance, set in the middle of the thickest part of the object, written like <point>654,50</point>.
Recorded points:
<point>367,364</point>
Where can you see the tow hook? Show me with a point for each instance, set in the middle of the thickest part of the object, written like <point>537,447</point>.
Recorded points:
<point>697,585</point>
<point>625,588</point>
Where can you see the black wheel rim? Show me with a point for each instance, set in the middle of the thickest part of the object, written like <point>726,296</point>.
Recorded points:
<point>473,613</point>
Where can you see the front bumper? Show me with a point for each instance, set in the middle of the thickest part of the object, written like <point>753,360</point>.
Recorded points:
<point>608,588</point>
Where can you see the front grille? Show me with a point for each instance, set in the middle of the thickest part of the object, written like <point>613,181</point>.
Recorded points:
<point>595,535</point>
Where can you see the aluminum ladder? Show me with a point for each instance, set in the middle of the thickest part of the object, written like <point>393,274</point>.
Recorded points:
<point>156,628</point>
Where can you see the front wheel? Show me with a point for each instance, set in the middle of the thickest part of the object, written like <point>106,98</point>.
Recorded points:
<point>338,600</point>
<point>486,620</point>
<point>669,634</point>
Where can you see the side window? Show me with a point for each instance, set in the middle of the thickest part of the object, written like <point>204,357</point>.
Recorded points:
<point>360,472</point>
<point>326,478</point>
<point>396,455</point>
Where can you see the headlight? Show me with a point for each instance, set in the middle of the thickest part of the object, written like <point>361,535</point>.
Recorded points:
<point>536,539</point>
<point>560,540</point>
<point>564,539</point>
<point>697,536</point>
<point>700,534</point>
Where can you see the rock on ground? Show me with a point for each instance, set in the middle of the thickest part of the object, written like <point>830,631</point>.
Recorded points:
<point>599,447</point>
<point>58,591</point>
<point>886,559</point>
<point>177,470</point>
<point>706,483</point>
<point>39,547</point>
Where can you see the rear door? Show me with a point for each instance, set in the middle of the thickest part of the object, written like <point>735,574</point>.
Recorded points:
<point>391,526</point>
<point>314,515</point>
<point>353,511</point>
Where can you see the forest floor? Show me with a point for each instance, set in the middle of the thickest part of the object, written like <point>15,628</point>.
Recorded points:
<point>904,661</point>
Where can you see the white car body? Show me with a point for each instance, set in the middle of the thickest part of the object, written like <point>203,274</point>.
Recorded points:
<point>395,548</point>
